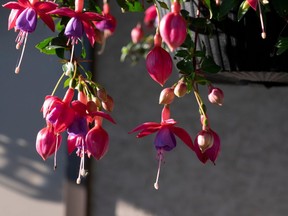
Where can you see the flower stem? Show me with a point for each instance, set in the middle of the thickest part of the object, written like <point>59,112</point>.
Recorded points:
<point>57,84</point>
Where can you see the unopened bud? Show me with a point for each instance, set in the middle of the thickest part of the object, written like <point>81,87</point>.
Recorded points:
<point>92,107</point>
<point>108,105</point>
<point>180,89</point>
<point>137,34</point>
<point>166,96</point>
<point>102,94</point>
<point>205,140</point>
<point>216,96</point>
<point>82,97</point>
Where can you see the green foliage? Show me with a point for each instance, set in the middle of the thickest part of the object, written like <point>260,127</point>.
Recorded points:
<point>209,66</point>
<point>131,5</point>
<point>282,45</point>
<point>242,10</point>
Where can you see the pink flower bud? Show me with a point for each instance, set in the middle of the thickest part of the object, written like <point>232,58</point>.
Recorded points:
<point>205,140</point>
<point>137,34</point>
<point>150,16</point>
<point>166,96</point>
<point>97,141</point>
<point>159,63</point>
<point>173,28</point>
<point>108,105</point>
<point>47,142</point>
<point>216,95</point>
<point>180,89</point>
<point>102,94</point>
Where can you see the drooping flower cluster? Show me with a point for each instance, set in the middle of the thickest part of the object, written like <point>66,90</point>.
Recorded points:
<point>82,118</point>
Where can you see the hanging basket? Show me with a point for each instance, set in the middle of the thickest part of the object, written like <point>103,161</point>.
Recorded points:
<point>238,48</point>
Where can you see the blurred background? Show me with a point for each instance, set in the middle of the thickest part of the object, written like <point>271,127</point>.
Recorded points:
<point>250,176</point>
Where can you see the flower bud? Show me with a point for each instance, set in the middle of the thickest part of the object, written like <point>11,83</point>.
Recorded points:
<point>159,63</point>
<point>102,94</point>
<point>180,89</point>
<point>166,96</point>
<point>82,97</point>
<point>150,16</point>
<point>108,105</point>
<point>173,28</point>
<point>137,34</point>
<point>205,140</point>
<point>91,107</point>
<point>216,95</point>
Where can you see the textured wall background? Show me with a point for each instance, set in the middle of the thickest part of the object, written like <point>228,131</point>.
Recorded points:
<point>250,177</point>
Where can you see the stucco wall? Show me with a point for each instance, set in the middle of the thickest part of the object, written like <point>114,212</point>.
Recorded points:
<point>250,176</point>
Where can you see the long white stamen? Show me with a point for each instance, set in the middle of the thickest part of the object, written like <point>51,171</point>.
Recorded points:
<point>82,171</point>
<point>160,154</point>
<point>25,35</point>
<point>55,155</point>
<point>263,34</point>
<point>72,53</point>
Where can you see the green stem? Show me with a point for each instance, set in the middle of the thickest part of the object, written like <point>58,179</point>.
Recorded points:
<point>57,84</point>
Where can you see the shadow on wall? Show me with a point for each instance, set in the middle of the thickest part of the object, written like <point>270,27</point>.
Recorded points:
<point>23,171</point>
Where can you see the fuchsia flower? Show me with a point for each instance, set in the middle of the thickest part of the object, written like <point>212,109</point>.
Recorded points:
<point>159,62</point>
<point>165,138</point>
<point>93,141</point>
<point>47,142</point>
<point>79,23</point>
<point>207,145</point>
<point>58,112</point>
<point>150,16</point>
<point>173,27</point>
<point>23,17</point>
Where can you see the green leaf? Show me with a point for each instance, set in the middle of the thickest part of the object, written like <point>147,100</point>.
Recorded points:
<point>201,80</point>
<point>88,75</point>
<point>43,46</point>
<point>185,66</point>
<point>208,5</point>
<point>226,7</point>
<point>67,82</point>
<point>83,52</point>
<point>209,66</point>
<point>163,4</point>
<point>201,25</point>
<point>182,53</point>
<point>282,45</point>
<point>242,10</point>
<point>188,43</point>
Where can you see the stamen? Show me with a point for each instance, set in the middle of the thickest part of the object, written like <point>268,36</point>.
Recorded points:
<point>160,155</point>
<point>102,46</point>
<point>263,34</point>
<point>55,155</point>
<point>72,53</point>
<point>21,36</point>
<point>82,171</point>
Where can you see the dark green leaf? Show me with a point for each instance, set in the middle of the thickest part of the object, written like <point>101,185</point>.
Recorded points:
<point>182,53</point>
<point>163,4</point>
<point>282,45</point>
<point>201,25</point>
<point>208,5</point>
<point>188,43</point>
<point>201,80</point>
<point>185,66</point>
<point>226,7</point>
<point>209,66</point>
<point>88,75</point>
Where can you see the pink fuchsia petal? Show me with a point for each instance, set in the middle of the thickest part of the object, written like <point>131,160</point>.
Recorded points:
<point>44,7</point>
<point>91,16</point>
<point>147,131</point>
<point>79,107</point>
<point>103,115</point>
<point>90,32</point>
<point>145,126</point>
<point>13,5</point>
<point>13,17</point>
<point>150,16</point>
<point>64,11</point>
<point>25,3</point>
<point>184,136</point>
<point>213,152</point>
<point>253,4</point>
<point>47,19</point>
<point>73,142</point>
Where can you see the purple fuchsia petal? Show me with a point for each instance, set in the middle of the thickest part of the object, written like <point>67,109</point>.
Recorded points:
<point>165,139</point>
<point>78,127</point>
<point>27,20</point>
<point>74,28</point>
